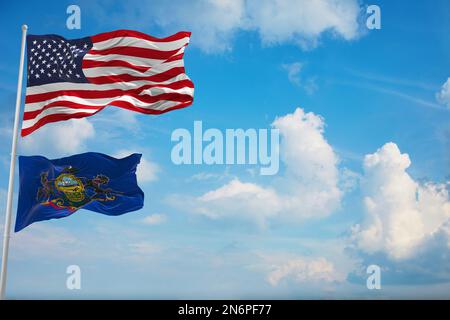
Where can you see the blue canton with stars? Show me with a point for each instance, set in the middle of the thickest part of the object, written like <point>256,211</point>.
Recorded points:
<point>53,59</point>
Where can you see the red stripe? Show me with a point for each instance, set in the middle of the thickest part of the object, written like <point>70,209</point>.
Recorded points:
<point>130,106</point>
<point>112,63</point>
<point>176,97</point>
<point>136,34</point>
<point>93,94</point>
<point>136,52</point>
<point>175,57</point>
<point>120,104</point>
<point>160,77</point>
<point>30,115</point>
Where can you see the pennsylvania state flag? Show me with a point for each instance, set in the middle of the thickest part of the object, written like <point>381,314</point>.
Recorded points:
<point>57,188</point>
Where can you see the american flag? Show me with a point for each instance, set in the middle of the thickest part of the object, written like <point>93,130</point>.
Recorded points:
<point>127,69</point>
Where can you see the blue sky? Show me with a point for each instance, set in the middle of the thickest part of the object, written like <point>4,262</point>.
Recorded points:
<point>374,116</point>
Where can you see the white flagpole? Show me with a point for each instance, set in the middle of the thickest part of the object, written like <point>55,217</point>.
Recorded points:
<point>7,226</point>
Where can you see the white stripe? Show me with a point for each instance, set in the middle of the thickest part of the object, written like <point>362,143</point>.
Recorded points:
<point>142,43</point>
<point>159,105</point>
<point>138,61</point>
<point>102,101</point>
<point>106,71</point>
<point>53,110</point>
<point>67,86</point>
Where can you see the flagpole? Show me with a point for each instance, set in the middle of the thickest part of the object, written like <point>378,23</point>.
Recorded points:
<point>7,226</point>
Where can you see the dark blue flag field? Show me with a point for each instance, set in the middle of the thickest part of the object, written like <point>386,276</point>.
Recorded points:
<point>51,189</point>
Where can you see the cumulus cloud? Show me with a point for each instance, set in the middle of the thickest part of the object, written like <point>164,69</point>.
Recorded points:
<point>444,95</point>
<point>303,21</point>
<point>238,198</point>
<point>147,171</point>
<point>302,269</point>
<point>154,219</point>
<point>215,23</point>
<point>402,215</point>
<point>65,137</point>
<point>308,188</point>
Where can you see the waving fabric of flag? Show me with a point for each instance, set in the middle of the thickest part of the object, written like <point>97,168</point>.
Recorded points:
<point>57,188</point>
<point>127,69</point>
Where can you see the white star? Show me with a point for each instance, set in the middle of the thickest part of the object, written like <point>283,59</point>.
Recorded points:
<point>34,42</point>
<point>37,75</point>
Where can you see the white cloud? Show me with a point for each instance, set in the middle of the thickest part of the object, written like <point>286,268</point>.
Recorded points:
<point>154,219</point>
<point>293,70</point>
<point>294,75</point>
<point>308,189</point>
<point>45,241</point>
<point>65,137</point>
<point>401,213</point>
<point>444,95</point>
<point>215,23</point>
<point>147,171</point>
<point>245,199</point>
<point>302,270</point>
<point>303,21</point>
